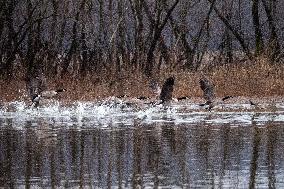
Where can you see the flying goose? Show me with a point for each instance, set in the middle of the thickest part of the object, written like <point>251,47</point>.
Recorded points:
<point>208,93</point>
<point>44,95</point>
<point>37,89</point>
<point>170,83</point>
<point>35,85</point>
<point>167,90</point>
<point>35,100</point>
<point>165,94</point>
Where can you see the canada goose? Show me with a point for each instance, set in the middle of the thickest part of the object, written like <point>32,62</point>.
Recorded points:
<point>182,98</point>
<point>252,103</point>
<point>167,90</point>
<point>226,97</point>
<point>35,85</point>
<point>122,96</point>
<point>51,93</point>
<point>164,95</point>
<point>142,98</point>
<point>208,92</point>
<point>35,100</point>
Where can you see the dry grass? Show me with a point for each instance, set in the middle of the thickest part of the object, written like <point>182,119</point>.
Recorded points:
<point>258,79</point>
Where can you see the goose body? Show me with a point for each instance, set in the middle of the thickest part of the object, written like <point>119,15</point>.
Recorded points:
<point>208,92</point>
<point>35,100</point>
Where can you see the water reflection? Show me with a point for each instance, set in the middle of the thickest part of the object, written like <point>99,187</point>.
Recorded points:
<point>45,152</point>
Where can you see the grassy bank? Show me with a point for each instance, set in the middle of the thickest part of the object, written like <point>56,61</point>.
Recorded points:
<point>259,79</point>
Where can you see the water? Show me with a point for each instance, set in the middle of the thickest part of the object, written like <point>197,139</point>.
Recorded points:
<point>114,144</point>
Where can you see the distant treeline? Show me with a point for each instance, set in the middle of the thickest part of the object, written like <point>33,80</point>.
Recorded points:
<point>61,37</point>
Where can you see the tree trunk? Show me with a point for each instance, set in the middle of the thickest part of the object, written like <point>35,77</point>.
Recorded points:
<point>226,44</point>
<point>257,30</point>
<point>157,33</point>
<point>74,44</point>
<point>274,45</point>
<point>136,7</point>
<point>61,34</point>
<point>9,47</point>
<point>55,5</point>
<point>2,21</point>
<point>237,35</point>
<point>85,60</point>
<point>30,41</point>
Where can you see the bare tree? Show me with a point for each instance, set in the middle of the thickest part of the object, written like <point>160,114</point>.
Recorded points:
<point>158,28</point>
<point>234,31</point>
<point>2,21</point>
<point>55,6</point>
<point>130,35</point>
<point>73,50</point>
<point>137,9</point>
<point>257,30</point>
<point>162,46</point>
<point>226,43</point>
<point>274,45</point>
<point>121,45</point>
<point>190,51</point>
<point>62,31</point>
<point>9,7</point>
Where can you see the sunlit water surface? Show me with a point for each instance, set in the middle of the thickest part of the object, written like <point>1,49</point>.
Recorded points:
<point>124,145</point>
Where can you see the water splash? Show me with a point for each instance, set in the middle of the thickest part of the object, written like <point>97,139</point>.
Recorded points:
<point>118,112</point>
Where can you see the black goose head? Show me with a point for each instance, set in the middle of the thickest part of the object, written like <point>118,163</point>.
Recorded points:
<point>36,98</point>
<point>170,81</point>
<point>60,90</point>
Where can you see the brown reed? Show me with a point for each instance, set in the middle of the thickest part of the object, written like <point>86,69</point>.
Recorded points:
<point>253,79</point>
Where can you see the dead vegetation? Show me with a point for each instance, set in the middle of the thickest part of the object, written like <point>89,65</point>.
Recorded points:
<point>259,79</point>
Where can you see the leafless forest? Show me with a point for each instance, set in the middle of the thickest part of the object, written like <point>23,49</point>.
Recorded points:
<point>80,38</point>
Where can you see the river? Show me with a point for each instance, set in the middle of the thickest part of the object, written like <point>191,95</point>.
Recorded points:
<point>121,145</point>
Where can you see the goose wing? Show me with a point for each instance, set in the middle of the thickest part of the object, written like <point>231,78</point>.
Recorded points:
<point>167,90</point>
<point>208,89</point>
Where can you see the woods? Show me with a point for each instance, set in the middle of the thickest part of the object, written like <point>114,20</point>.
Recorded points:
<point>89,37</point>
